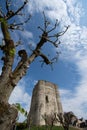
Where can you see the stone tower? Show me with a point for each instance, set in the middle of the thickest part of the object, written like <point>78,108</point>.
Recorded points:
<point>45,99</point>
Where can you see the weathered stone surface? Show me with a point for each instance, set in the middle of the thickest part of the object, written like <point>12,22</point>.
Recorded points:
<point>45,99</point>
<point>8,115</point>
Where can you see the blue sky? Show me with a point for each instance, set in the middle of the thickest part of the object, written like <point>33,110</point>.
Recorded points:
<point>70,72</point>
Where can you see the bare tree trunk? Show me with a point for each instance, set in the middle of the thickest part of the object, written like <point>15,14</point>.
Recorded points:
<point>8,114</point>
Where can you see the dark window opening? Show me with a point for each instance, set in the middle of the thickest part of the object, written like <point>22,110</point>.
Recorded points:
<point>46,99</point>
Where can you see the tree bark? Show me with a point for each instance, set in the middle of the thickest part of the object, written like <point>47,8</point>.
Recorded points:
<point>8,115</point>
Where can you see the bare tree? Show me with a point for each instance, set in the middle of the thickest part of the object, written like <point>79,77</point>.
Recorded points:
<point>65,119</point>
<point>10,76</point>
<point>50,119</point>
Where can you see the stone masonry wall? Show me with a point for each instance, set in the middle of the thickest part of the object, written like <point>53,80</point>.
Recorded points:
<point>45,99</point>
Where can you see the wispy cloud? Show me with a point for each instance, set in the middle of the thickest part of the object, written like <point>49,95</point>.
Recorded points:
<point>65,10</point>
<point>75,42</point>
<point>77,100</point>
<point>19,95</point>
<point>73,47</point>
<point>27,34</point>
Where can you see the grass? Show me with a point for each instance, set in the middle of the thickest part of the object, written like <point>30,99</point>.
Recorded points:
<point>54,128</point>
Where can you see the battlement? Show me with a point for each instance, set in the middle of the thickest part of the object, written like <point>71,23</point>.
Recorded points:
<point>45,83</point>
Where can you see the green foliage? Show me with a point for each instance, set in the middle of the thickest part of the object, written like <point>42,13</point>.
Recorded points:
<point>2,20</point>
<point>21,126</point>
<point>12,52</point>
<point>4,27</point>
<point>21,110</point>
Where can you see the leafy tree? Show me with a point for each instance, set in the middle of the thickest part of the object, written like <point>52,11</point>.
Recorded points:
<point>21,109</point>
<point>10,76</point>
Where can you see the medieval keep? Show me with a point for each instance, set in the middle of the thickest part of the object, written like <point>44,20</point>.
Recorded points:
<point>45,99</point>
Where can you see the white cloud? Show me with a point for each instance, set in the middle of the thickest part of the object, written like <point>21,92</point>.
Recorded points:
<point>19,95</point>
<point>73,47</point>
<point>66,10</point>
<point>75,10</point>
<point>77,100</point>
<point>65,93</point>
<point>69,13</point>
<point>26,34</point>
<point>35,82</point>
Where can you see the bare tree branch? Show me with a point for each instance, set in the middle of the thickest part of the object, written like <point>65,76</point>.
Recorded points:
<point>54,39</point>
<point>12,14</point>
<point>56,24</point>
<point>18,43</point>
<point>60,33</point>
<point>45,59</point>
<point>23,55</point>
<point>48,61</point>
<point>16,26</point>
<point>7,5</point>
<point>50,119</point>
<point>46,22</point>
